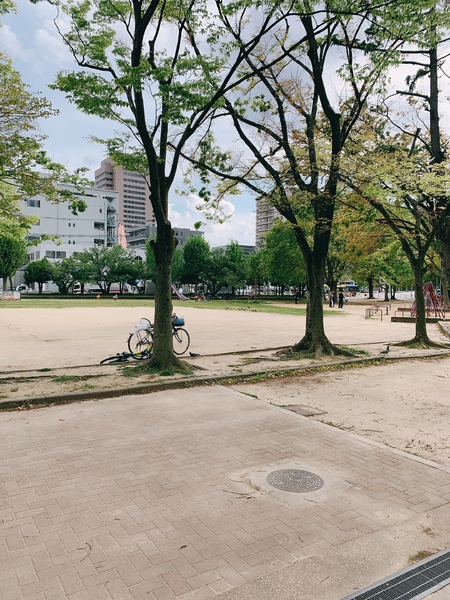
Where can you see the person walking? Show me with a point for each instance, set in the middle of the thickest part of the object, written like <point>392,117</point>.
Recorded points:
<point>331,299</point>
<point>341,299</point>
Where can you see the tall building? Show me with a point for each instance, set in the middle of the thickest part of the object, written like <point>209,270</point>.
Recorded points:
<point>265,216</point>
<point>135,209</point>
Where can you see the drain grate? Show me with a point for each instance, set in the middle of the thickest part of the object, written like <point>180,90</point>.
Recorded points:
<point>418,581</point>
<point>294,480</point>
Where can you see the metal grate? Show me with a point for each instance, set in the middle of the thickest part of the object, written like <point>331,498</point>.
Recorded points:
<point>295,480</point>
<point>412,583</point>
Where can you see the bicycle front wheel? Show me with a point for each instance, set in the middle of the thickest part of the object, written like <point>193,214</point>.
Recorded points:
<point>181,340</point>
<point>140,344</point>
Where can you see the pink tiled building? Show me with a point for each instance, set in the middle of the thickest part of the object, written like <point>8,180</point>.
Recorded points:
<point>135,209</point>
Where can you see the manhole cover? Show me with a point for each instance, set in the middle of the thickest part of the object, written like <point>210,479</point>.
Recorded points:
<point>295,480</point>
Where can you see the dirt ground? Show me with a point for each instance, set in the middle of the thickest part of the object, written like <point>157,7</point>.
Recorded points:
<point>404,404</point>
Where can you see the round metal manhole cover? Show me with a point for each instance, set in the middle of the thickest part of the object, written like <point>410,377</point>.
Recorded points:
<point>295,480</point>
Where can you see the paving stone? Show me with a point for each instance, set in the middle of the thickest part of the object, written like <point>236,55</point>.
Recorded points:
<point>138,497</point>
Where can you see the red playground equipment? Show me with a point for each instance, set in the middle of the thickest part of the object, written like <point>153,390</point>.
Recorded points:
<point>432,302</point>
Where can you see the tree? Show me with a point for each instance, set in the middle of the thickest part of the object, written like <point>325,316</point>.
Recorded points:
<point>110,265</point>
<point>282,260</point>
<point>13,255</point>
<point>25,170</point>
<point>294,123</point>
<point>157,69</point>
<point>216,271</point>
<point>196,255</point>
<point>427,56</point>
<point>255,270</point>
<point>64,273</point>
<point>39,271</point>
<point>83,270</point>
<point>177,265</point>
<point>126,268</point>
<point>407,192</point>
<point>235,266</point>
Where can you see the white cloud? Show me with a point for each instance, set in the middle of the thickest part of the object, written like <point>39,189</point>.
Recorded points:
<point>51,49</point>
<point>240,226</point>
<point>12,45</point>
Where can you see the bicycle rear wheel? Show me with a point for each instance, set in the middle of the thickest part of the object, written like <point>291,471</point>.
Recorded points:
<point>117,358</point>
<point>140,344</point>
<point>181,340</point>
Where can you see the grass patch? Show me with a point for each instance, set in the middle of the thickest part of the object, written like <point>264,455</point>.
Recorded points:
<point>355,351</point>
<point>85,302</point>
<point>44,370</point>
<point>144,370</point>
<point>75,378</point>
<point>421,555</point>
<point>66,378</point>
<point>264,306</point>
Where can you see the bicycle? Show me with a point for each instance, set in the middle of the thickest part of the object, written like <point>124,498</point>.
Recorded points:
<point>140,341</point>
<point>123,357</point>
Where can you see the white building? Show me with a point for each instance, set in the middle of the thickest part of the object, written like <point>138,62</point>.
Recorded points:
<point>96,226</point>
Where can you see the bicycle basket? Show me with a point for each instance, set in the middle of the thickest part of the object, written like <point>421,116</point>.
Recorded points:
<point>143,325</point>
<point>178,321</point>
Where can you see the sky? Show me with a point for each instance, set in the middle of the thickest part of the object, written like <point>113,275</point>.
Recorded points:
<point>32,42</point>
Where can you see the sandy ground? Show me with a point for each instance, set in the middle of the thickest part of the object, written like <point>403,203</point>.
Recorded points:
<point>404,404</point>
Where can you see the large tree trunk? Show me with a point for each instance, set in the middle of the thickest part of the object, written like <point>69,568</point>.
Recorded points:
<point>163,248</point>
<point>421,336</point>
<point>315,340</point>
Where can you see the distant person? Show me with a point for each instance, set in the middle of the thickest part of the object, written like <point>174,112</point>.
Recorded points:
<point>331,299</point>
<point>341,300</point>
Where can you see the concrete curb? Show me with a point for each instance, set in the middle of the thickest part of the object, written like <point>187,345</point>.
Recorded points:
<point>185,382</point>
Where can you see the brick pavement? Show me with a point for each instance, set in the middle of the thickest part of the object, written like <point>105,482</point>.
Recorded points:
<point>160,496</point>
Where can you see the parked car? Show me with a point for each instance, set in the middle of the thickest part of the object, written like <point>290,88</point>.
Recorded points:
<point>23,288</point>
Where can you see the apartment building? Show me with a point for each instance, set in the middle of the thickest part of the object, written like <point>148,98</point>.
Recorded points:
<point>134,209</point>
<point>265,216</point>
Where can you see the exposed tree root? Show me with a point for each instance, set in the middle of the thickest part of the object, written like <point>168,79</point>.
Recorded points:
<point>422,343</point>
<point>152,367</point>
<point>317,349</point>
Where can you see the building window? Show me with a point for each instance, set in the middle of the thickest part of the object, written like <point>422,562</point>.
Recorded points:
<point>98,242</point>
<point>99,225</point>
<point>60,254</point>
<point>32,238</point>
<point>34,203</point>
<point>50,254</point>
